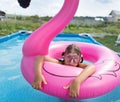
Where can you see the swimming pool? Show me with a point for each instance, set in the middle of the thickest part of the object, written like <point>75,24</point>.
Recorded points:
<point>14,88</point>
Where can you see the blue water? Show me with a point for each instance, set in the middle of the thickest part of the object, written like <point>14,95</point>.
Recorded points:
<point>14,88</point>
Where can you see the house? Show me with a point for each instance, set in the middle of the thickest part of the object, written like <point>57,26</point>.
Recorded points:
<point>2,15</point>
<point>114,16</point>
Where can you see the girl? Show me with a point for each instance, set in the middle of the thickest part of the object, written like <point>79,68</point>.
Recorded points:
<point>72,57</point>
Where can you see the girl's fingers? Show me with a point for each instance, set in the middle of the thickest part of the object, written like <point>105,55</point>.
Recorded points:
<point>73,95</point>
<point>33,85</point>
<point>66,87</point>
<point>44,81</point>
<point>37,86</point>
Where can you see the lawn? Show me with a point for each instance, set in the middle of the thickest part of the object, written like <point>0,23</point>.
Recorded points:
<point>109,41</point>
<point>8,27</point>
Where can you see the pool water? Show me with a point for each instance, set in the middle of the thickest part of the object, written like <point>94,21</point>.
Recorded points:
<point>13,86</point>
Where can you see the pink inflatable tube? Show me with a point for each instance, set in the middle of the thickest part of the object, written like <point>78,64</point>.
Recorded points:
<point>105,79</point>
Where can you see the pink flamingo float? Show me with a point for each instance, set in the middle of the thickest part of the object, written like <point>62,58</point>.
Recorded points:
<point>104,80</point>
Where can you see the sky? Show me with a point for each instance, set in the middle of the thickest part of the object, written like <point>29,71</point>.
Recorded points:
<point>91,8</point>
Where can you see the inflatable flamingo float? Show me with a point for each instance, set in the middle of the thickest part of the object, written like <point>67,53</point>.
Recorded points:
<point>104,80</point>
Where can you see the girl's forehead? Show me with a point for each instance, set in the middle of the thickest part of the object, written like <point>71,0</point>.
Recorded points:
<point>73,53</point>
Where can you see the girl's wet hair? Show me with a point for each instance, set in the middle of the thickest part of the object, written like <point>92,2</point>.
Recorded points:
<point>72,48</point>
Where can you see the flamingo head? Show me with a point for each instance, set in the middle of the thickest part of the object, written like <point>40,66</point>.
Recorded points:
<point>24,3</point>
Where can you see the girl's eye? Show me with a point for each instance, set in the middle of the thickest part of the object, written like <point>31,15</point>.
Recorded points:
<point>76,57</point>
<point>69,57</point>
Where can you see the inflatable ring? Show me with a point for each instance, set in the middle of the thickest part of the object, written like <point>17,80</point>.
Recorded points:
<point>57,76</point>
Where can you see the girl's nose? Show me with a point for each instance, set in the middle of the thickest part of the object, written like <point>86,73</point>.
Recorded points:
<point>72,61</point>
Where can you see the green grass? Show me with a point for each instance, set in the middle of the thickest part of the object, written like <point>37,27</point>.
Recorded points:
<point>109,41</point>
<point>112,28</point>
<point>8,27</point>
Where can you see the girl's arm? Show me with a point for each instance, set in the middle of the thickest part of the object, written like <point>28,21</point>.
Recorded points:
<point>74,87</point>
<point>50,59</point>
<point>38,77</point>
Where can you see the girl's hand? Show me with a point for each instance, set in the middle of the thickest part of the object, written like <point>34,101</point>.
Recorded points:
<point>38,81</point>
<point>74,88</point>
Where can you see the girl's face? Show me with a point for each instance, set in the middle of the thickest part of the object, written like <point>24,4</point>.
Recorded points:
<point>72,59</point>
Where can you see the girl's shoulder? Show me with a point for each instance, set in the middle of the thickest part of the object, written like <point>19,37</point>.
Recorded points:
<point>82,65</point>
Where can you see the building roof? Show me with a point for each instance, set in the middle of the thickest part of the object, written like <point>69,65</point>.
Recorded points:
<point>2,13</point>
<point>115,12</point>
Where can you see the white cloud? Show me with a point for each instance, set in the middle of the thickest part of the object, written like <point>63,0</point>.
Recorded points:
<point>95,8</point>
<point>51,7</point>
<point>105,1</point>
<point>46,8</point>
